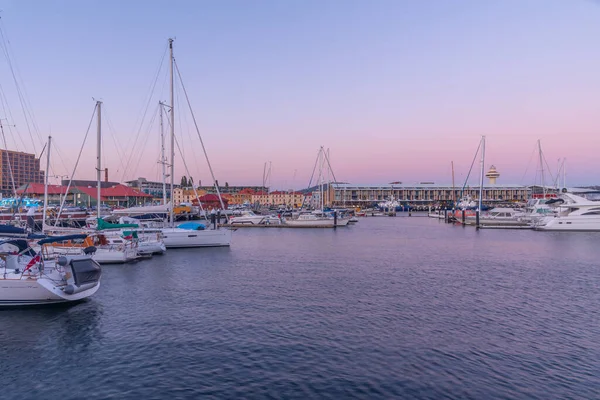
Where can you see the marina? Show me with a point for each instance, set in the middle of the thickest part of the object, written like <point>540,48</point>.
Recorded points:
<point>427,172</point>
<point>435,300</point>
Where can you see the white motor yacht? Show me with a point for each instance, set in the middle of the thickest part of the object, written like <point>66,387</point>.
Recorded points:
<point>29,279</point>
<point>193,234</point>
<point>501,216</point>
<point>311,220</point>
<point>247,218</point>
<point>573,213</point>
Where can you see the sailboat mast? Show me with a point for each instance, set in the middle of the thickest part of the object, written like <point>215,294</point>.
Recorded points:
<point>482,173</point>
<point>564,172</point>
<point>171,216</point>
<point>542,168</point>
<point>46,184</point>
<point>163,160</point>
<point>453,191</point>
<point>98,154</point>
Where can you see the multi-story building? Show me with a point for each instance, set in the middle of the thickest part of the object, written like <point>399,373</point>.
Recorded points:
<point>232,189</point>
<point>426,192</point>
<point>279,198</point>
<point>17,169</point>
<point>155,189</point>
<point>186,195</point>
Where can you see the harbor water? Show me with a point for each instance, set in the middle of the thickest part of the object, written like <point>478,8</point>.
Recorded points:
<point>389,308</point>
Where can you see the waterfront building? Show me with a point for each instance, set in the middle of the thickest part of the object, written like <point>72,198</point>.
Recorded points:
<point>22,168</point>
<point>424,193</point>
<point>152,188</point>
<point>86,195</point>
<point>211,202</point>
<point>232,189</point>
<point>279,198</point>
<point>181,195</point>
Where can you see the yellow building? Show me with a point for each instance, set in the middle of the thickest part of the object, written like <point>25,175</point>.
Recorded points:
<point>186,195</point>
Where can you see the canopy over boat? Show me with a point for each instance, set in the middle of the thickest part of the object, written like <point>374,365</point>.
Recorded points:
<point>54,239</point>
<point>102,224</point>
<point>20,244</point>
<point>11,230</point>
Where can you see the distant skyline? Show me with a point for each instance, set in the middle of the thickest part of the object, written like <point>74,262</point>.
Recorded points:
<point>397,90</point>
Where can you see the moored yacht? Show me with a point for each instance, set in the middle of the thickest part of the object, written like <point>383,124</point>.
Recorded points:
<point>29,279</point>
<point>247,218</point>
<point>573,213</point>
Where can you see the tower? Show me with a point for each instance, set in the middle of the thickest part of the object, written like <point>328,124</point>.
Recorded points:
<point>492,175</point>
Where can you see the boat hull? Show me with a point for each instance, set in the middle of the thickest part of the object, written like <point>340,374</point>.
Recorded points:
<point>586,223</point>
<point>37,292</point>
<point>184,238</point>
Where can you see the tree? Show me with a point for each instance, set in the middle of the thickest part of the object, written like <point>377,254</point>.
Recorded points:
<point>184,182</point>
<point>226,184</point>
<point>191,182</point>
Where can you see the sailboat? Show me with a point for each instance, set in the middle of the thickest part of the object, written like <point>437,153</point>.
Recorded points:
<point>200,235</point>
<point>104,248</point>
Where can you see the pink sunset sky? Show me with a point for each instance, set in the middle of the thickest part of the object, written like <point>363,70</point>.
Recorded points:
<point>396,90</point>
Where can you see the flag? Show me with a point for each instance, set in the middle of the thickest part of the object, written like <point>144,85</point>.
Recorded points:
<point>33,261</point>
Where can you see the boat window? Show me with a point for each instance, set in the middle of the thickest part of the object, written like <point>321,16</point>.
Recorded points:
<point>592,213</point>
<point>192,235</point>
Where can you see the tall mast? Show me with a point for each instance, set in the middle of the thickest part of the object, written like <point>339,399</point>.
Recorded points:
<point>163,160</point>
<point>171,217</point>
<point>46,183</point>
<point>99,153</point>
<point>542,168</point>
<point>564,172</point>
<point>482,172</point>
<point>453,191</point>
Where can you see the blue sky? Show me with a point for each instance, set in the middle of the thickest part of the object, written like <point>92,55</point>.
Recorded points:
<point>396,89</point>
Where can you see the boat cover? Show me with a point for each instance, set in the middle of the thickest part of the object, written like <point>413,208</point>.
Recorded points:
<point>21,245</point>
<point>85,271</point>
<point>11,230</point>
<point>192,226</point>
<point>54,239</point>
<point>102,224</point>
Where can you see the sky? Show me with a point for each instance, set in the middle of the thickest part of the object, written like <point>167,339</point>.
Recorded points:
<point>396,89</point>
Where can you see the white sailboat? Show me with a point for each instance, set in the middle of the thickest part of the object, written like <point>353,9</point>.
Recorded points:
<point>176,237</point>
<point>104,248</point>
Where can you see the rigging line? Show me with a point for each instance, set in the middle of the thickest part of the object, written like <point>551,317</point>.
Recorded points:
<point>189,136</point>
<point>151,92</point>
<point>200,137</point>
<point>311,177</point>
<point>7,113</point>
<point>552,179</point>
<point>12,178</point>
<point>56,149</point>
<point>62,204</point>
<point>112,132</point>
<point>529,164</point>
<point>19,92</point>
<point>470,169</point>
<point>188,172</point>
<point>143,148</point>
<point>26,97</point>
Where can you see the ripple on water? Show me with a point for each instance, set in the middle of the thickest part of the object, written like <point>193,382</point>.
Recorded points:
<point>391,307</point>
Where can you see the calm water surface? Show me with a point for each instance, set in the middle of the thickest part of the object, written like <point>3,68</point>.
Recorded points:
<point>389,308</point>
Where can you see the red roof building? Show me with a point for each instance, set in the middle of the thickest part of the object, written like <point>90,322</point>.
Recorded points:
<point>211,201</point>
